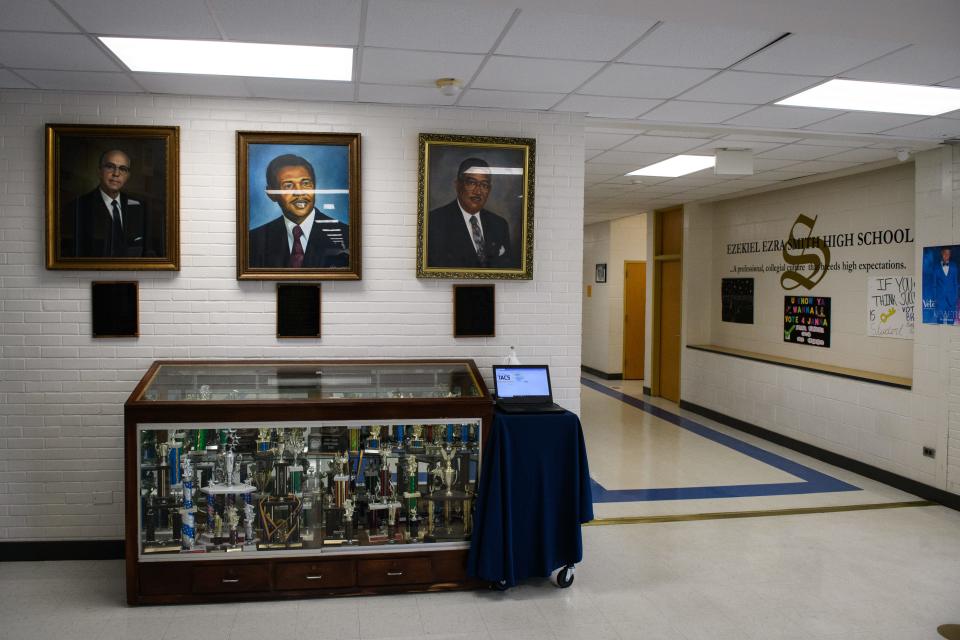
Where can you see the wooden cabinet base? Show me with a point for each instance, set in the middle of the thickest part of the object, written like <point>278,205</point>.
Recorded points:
<point>188,582</point>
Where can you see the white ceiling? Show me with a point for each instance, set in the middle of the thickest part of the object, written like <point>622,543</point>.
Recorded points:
<point>653,78</point>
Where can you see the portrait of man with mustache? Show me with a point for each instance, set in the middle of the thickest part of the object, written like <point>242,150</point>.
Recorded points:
<point>303,236</point>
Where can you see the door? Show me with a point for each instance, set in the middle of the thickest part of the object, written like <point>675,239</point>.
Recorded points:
<point>670,286</point>
<point>634,318</point>
<point>667,299</point>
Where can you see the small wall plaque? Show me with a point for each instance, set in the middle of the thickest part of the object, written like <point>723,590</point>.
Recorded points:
<point>115,309</point>
<point>474,311</point>
<point>298,310</point>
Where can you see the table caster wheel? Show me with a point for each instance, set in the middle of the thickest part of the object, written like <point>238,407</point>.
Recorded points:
<point>565,577</point>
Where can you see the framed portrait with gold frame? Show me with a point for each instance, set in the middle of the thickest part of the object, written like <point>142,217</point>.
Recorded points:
<point>298,206</point>
<point>112,197</point>
<point>475,207</point>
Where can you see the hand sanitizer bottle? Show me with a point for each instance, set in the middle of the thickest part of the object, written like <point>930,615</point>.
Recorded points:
<point>511,357</point>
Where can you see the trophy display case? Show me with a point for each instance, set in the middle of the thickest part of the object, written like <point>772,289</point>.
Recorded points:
<point>268,479</point>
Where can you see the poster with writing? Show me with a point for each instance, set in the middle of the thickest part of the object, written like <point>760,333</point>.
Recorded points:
<point>891,306</point>
<point>736,296</point>
<point>941,281</point>
<point>806,320</point>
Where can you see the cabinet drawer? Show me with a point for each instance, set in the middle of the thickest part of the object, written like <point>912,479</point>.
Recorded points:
<point>231,578</point>
<point>394,571</point>
<point>315,575</point>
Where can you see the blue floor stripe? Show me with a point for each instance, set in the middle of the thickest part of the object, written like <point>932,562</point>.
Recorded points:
<point>811,480</point>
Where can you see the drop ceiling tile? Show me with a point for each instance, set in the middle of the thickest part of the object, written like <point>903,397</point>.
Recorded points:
<point>300,89</point>
<point>185,84</point>
<point>678,133</point>
<point>783,117</point>
<point>81,81</point>
<point>509,99</point>
<point>435,26</point>
<point>602,107</point>
<point>800,152</point>
<point>697,112</point>
<point>396,94</point>
<point>332,22</point>
<point>863,122</point>
<point>863,155</point>
<point>680,44</point>
<point>53,51</point>
<point>740,87</point>
<point>526,74</point>
<point>638,81</point>
<point>145,18</point>
<point>8,80</point>
<point>33,16</point>
<point>823,166</point>
<point>417,68</point>
<point>598,140</point>
<point>629,159</point>
<point>817,55</point>
<point>542,34</point>
<point>661,144</point>
<point>763,165</point>
<point>931,128</point>
<point>914,65</point>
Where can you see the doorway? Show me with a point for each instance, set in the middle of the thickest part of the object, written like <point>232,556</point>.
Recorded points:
<point>667,302</point>
<point>634,318</point>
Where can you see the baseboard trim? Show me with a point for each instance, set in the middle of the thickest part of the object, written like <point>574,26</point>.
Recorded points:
<point>897,481</point>
<point>33,550</point>
<point>601,374</point>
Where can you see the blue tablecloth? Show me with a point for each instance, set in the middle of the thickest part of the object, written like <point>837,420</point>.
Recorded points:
<point>534,493</point>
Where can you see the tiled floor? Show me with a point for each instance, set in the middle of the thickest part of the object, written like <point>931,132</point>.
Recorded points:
<point>889,574</point>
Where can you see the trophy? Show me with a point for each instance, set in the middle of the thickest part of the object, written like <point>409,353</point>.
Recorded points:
<point>263,439</point>
<point>445,471</point>
<point>373,440</point>
<point>187,512</point>
<point>233,519</point>
<point>415,441</point>
<point>348,521</point>
<point>248,523</point>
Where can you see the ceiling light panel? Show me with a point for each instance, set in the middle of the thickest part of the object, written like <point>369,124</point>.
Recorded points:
<point>218,58</point>
<point>885,97</point>
<point>676,166</point>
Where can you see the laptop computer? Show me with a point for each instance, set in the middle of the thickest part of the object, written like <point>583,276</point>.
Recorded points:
<point>524,389</point>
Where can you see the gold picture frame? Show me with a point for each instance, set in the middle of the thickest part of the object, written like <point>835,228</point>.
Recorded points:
<point>94,170</point>
<point>310,180</point>
<point>475,207</point>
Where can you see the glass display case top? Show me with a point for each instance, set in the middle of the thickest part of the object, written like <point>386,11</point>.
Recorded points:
<point>310,381</point>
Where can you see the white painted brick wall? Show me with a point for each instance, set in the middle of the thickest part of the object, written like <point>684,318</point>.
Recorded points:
<point>62,393</point>
<point>882,426</point>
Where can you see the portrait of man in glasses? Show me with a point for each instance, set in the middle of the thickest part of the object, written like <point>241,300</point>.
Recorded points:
<point>463,233</point>
<point>108,222</point>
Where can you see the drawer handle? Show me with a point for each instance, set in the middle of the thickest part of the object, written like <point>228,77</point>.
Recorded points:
<point>230,580</point>
<point>314,577</point>
<point>394,573</point>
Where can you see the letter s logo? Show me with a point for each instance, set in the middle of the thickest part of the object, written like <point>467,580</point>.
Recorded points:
<point>818,264</point>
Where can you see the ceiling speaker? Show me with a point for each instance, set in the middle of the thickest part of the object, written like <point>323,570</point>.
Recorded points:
<point>734,162</point>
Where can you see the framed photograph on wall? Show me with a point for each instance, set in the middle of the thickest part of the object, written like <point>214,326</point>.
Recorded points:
<point>298,206</point>
<point>475,207</point>
<point>112,198</point>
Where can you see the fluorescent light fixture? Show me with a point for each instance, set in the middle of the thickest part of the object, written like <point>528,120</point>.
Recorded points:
<point>217,58</point>
<point>676,166</point>
<point>885,97</point>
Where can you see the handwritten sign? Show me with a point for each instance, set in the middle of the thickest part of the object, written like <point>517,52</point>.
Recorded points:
<point>891,306</point>
<point>806,320</point>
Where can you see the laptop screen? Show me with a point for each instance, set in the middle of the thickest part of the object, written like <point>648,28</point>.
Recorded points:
<point>522,382</point>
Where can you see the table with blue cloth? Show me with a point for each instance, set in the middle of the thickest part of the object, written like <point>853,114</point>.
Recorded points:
<point>534,493</point>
